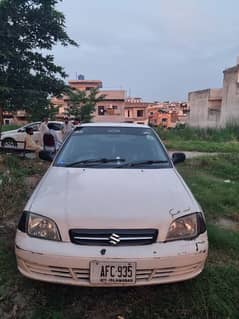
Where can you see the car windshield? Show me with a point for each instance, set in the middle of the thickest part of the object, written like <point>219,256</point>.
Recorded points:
<point>113,147</point>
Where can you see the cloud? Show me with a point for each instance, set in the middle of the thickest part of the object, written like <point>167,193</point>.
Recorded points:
<point>158,48</point>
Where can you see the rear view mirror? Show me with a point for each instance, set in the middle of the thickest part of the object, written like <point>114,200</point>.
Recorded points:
<point>46,156</point>
<point>178,158</point>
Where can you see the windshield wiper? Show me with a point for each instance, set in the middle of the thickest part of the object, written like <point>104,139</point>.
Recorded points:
<point>139,163</point>
<point>95,161</point>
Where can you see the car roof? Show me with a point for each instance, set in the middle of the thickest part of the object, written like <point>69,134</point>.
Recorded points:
<point>39,122</point>
<point>107,124</point>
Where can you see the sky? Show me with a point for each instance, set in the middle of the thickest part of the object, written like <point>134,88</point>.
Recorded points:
<point>156,49</point>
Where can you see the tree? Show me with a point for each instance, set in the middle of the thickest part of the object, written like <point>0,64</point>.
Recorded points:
<point>28,77</point>
<point>82,104</point>
<point>47,109</point>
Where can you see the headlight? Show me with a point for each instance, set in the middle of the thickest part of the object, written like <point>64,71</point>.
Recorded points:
<point>186,227</point>
<point>42,227</point>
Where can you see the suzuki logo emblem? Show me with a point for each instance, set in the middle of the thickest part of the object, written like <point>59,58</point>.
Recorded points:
<point>114,239</point>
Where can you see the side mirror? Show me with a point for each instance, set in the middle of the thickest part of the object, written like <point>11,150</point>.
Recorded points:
<point>46,156</point>
<point>21,130</point>
<point>178,158</point>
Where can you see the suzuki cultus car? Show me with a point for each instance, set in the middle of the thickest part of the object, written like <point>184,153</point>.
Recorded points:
<point>112,210</point>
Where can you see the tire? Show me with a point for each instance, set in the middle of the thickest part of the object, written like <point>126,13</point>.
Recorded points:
<point>9,142</point>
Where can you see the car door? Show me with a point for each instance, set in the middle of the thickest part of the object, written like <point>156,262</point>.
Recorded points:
<point>57,127</point>
<point>36,134</point>
<point>19,136</point>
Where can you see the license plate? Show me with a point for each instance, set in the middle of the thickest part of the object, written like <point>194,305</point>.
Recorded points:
<point>112,272</point>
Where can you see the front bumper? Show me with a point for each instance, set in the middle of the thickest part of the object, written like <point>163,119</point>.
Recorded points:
<point>67,263</point>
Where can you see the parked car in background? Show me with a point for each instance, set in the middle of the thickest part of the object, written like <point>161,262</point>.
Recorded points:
<point>15,138</point>
<point>112,210</point>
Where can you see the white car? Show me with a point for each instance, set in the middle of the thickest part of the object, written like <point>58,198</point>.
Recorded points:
<point>15,138</point>
<point>112,210</point>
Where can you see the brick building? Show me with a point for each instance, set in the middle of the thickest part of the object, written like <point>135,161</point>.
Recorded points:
<point>136,111</point>
<point>115,107</point>
<point>111,109</point>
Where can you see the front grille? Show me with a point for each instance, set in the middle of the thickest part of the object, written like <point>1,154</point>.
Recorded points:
<point>166,272</point>
<point>78,274</point>
<point>113,237</point>
<point>82,275</point>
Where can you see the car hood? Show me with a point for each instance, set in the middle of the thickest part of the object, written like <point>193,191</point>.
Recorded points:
<point>112,198</point>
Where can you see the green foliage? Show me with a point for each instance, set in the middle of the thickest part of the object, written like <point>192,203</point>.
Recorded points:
<point>82,104</point>
<point>27,75</point>
<point>221,166</point>
<point>202,146</point>
<point>11,187</point>
<point>48,110</point>
<point>206,178</point>
<point>227,134</point>
<point>9,127</point>
<point>224,140</point>
<point>224,240</point>
<point>13,190</point>
<point>76,99</point>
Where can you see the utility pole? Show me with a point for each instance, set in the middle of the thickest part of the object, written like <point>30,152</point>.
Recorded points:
<point>129,92</point>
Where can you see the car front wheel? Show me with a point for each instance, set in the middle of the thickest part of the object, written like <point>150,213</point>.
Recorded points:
<point>9,142</point>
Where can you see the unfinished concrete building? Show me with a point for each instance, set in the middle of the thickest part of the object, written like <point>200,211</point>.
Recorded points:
<point>216,107</point>
<point>230,99</point>
<point>205,108</point>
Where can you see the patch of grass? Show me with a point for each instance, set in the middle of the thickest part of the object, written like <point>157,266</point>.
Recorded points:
<point>206,178</point>
<point>230,133</point>
<point>13,188</point>
<point>224,240</point>
<point>202,146</point>
<point>7,265</point>
<point>222,166</point>
<point>212,295</point>
<point>203,140</point>
<point>15,297</point>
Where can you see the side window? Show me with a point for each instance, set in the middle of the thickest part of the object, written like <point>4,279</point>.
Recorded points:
<point>56,126</point>
<point>35,127</point>
<point>22,129</point>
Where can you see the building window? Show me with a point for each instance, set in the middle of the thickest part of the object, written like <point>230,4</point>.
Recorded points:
<point>213,115</point>
<point>164,119</point>
<point>128,113</point>
<point>101,110</point>
<point>140,113</point>
<point>115,107</point>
